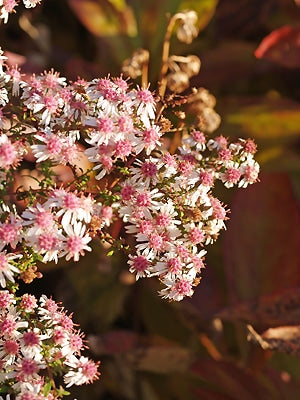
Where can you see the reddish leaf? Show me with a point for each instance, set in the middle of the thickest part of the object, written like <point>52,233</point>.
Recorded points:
<point>268,311</point>
<point>261,245</point>
<point>285,339</point>
<point>228,379</point>
<point>281,46</point>
<point>113,342</point>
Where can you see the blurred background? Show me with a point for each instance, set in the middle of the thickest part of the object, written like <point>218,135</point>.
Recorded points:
<point>151,349</point>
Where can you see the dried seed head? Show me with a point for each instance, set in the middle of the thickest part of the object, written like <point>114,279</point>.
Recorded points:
<point>187,30</point>
<point>208,120</point>
<point>177,81</point>
<point>192,65</point>
<point>201,98</point>
<point>133,66</point>
<point>30,274</point>
<point>165,124</point>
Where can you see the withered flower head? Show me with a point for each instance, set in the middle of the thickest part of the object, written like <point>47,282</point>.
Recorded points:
<point>187,30</point>
<point>177,81</point>
<point>133,65</point>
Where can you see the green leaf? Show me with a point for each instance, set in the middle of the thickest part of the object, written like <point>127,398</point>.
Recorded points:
<point>105,18</point>
<point>47,388</point>
<point>262,118</point>
<point>204,8</point>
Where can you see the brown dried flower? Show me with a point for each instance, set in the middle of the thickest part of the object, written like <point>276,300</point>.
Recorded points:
<point>177,81</point>
<point>133,65</point>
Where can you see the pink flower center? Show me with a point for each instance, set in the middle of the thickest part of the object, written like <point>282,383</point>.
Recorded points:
<point>110,95</point>
<point>125,124</point>
<point>121,83</point>
<point>221,141</point>
<point>8,154</point>
<point>250,146</point>
<point>76,342</point>
<point>127,192</point>
<point>105,125</point>
<point>51,81</point>
<point>123,148</point>
<point>44,219</point>
<point>89,370</point>
<point>199,136</point>
<point>145,96</point>
<point>169,160</point>
<point>5,298</point>
<point>75,244</point>
<point>174,265</point>
<point>51,305</point>
<point>28,302</point>
<point>11,347</point>
<point>198,263</point>
<point>185,167</point>
<point>146,227</point>
<point>219,212</point>
<point>232,175</point>
<point>59,335</point>
<point>163,220</point>
<point>54,144</point>
<point>50,103</point>
<point>150,136</point>
<point>143,200</point>
<point>224,154</point>
<point>156,241</point>
<point>106,212</point>
<point>149,169</point>
<point>66,322</point>
<point>31,338</point>
<point>47,241</point>
<point>250,173</point>
<point>8,233</point>
<point>71,201</point>
<point>7,326</point>
<point>104,84</point>
<point>28,396</point>
<point>183,287</point>
<point>196,235</point>
<point>140,263</point>
<point>206,178</point>
<point>106,162</point>
<point>29,367</point>
<point>9,5</point>
<point>182,251</point>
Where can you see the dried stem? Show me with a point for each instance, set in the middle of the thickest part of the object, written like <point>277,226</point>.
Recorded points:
<point>165,56</point>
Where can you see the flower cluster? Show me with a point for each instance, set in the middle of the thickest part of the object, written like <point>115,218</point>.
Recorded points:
<point>40,347</point>
<point>165,200</point>
<point>8,6</point>
<point>168,205</point>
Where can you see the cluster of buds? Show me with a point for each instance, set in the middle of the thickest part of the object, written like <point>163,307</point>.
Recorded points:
<point>8,6</point>
<point>40,347</point>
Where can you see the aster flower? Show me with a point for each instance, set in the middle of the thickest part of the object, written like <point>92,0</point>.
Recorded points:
<point>76,241</point>
<point>83,371</point>
<point>7,269</point>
